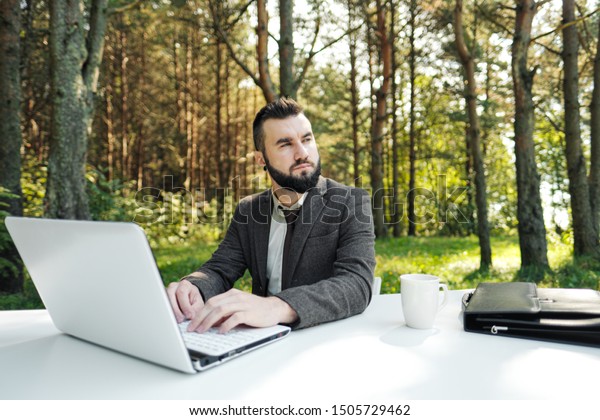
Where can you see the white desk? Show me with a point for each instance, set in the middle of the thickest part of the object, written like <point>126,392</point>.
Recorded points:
<point>373,356</point>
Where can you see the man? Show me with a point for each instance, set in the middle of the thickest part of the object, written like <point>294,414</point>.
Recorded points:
<point>308,241</point>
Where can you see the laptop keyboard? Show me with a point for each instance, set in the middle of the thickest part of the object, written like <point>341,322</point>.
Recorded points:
<point>213,342</point>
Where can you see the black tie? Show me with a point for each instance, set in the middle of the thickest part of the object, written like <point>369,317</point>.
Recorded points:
<point>290,219</point>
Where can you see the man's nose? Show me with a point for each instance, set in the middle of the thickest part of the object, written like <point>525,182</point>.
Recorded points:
<point>300,152</point>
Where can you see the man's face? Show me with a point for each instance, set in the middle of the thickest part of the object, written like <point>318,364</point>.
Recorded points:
<point>290,153</point>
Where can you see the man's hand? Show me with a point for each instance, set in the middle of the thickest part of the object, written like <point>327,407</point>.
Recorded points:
<point>185,299</point>
<point>235,307</point>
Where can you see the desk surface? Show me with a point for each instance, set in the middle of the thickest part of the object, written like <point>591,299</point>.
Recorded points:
<point>373,356</point>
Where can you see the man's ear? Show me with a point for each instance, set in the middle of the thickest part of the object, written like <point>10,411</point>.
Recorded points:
<point>259,158</point>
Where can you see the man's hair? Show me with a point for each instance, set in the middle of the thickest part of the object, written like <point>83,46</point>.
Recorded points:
<point>279,109</point>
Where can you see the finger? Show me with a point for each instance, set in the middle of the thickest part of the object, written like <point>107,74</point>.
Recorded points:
<point>171,290</point>
<point>188,298</point>
<point>212,314</point>
<point>232,322</point>
<point>214,304</point>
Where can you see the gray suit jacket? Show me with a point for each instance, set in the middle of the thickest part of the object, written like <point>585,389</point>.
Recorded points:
<point>332,253</point>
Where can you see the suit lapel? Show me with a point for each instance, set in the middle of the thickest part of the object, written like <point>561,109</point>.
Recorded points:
<point>310,213</point>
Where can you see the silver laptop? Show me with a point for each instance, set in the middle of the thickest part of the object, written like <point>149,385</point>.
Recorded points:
<point>100,283</point>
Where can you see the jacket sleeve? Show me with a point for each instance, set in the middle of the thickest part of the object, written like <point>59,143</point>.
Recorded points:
<point>348,292</point>
<point>226,265</point>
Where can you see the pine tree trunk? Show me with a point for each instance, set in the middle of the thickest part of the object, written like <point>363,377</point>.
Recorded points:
<point>266,84</point>
<point>74,68</point>
<point>354,97</point>
<point>379,126</point>
<point>66,196</point>
<point>188,107</point>
<point>532,232</point>
<point>110,131</point>
<point>198,123</point>
<point>124,99</point>
<point>474,131</point>
<point>594,178</point>
<point>584,231</point>
<point>394,207</point>
<point>141,158</point>
<point>412,152</point>
<point>219,138</point>
<point>218,107</point>
<point>286,48</point>
<point>11,276</point>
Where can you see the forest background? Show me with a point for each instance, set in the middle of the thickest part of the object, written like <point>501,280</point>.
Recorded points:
<point>475,125</point>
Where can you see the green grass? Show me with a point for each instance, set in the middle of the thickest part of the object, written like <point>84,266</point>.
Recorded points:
<point>455,260</point>
<point>176,261</point>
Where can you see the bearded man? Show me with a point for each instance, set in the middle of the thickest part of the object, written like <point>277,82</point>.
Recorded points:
<point>307,242</point>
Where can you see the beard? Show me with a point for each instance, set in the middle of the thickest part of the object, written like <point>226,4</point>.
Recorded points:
<point>299,184</point>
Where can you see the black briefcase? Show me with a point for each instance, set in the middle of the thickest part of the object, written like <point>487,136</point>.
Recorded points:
<point>525,311</point>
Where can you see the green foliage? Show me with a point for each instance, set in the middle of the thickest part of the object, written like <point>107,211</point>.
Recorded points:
<point>7,267</point>
<point>173,217</point>
<point>33,184</point>
<point>28,299</point>
<point>550,149</point>
<point>167,217</point>
<point>107,199</point>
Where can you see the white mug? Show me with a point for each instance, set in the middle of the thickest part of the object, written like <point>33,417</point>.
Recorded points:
<point>421,299</point>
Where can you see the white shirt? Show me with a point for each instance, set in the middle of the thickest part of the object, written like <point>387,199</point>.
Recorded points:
<point>276,241</point>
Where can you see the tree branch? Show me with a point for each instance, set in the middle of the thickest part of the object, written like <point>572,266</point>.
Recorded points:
<point>553,123</point>
<point>491,19</point>
<point>584,41</point>
<point>338,39</point>
<point>308,60</point>
<point>125,7</point>
<point>273,38</point>
<point>541,3</point>
<point>223,37</point>
<point>240,14</point>
<point>95,43</point>
<point>313,53</point>
<point>547,48</point>
<point>245,68</point>
<point>566,25</point>
<point>502,6</point>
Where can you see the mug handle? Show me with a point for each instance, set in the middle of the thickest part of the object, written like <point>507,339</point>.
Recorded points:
<point>445,297</point>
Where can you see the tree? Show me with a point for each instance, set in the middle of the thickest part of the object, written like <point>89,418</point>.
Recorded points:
<point>412,135</point>
<point>474,137</point>
<point>286,47</point>
<point>74,72</point>
<point>532,232</point>
<point>594,178</point>
<point>584,232</point>
<point>11,271</point>
<point>381,117</point>
<point>395,200</point>
<point>354,93</point>
<point>75,58</point>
